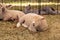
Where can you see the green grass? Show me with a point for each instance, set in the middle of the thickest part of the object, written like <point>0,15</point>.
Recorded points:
<point>9,32</point>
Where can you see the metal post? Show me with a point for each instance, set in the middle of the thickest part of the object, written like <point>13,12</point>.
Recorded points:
<point>39,6</point>
<point>57,6</point>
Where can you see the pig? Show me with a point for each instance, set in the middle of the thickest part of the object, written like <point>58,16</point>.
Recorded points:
<point>28,9</point>
<point>33,22</point>
<point>10,14</point>
<point>49,10</point>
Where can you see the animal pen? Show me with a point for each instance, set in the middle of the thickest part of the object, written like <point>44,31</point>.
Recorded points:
<point>51,7</point>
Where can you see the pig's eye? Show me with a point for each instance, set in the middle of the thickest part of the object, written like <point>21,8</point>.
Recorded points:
<point>33,24</point>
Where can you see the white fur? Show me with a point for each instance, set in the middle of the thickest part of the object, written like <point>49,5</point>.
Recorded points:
<point>33,22</point>
<point>24,25</point>
<point>18,24</point>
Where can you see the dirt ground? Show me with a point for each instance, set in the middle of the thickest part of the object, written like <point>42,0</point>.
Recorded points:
<point>9,32</point>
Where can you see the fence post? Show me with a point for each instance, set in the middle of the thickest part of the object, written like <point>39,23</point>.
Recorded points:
<point>2,1</point>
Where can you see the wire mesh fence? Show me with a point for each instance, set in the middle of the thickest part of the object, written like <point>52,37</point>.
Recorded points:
<point>35,4</point>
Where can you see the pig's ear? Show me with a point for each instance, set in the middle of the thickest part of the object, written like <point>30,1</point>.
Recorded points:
<point>8,6</point>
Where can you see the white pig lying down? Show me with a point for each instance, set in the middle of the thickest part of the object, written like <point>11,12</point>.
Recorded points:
<point>10,14</point>
<point>33,22</point>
